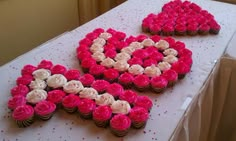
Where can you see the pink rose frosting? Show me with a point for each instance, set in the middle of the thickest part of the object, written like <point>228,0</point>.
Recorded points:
<point>16,101</point>
<point>56,96</point>
<point>72,74</point>
<point>58,69</point>
<point>159,82</point>
<point>88,62</point>
<point>120,122</point>
<point>70,101</point>
<point>143,101</point>
<point>170,75</point>
<point>86,106</point>
<point>102,113</point>
<point>96,69</point>
<point>28,70</point>
<point>20,90</point>
<point>24,80</point>
<point>115,89</point>
<point>45,64</point>
<point>44,108</point>
<point>100,85</point>
<point>23,112</point>
<point>138,114</point>
<point>86,79</point>
<point>141,80</point>
<point>111,74</point>
<point>129,96</point>
<point>126,78</point>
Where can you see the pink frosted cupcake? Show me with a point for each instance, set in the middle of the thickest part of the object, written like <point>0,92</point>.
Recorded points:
<point>135,61</point>
<point>144,101</point>
<point>192,29</point>
<point>171,76</point>
<point>70,103</point>
<point>86,108</point>
<point>139,117</point>
<point>214,27</point>
<point>86,80</point>
<point>204,29</point>
<point>23,115</point>
<point>155,29</point>
<point>126,79</point>
<point>168,30</point>
<point>181,68</point>
<point>115,90</point>
<point>97,71</point>
<point>111,75</point>
<point>45,64</point>
<point>83,54</point>
<point>180,29</point>
<point>129,96</point>
<point>141,82</point>
<point>24,79</point>
<point>120,125</point>
<point>102,115</point>
<point>58,69</point>
<point>159,83</point>
<point>111,53</point>
<point>45,109</point>
<point>28,70</point>
<point>16,101</point>
<point>72,74</point>
<point>56,96</point>
<point>87,63</point>
<point>19,90</point>
<point>100,85</point>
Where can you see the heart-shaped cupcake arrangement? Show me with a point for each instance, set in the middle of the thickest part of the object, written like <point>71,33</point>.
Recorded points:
<point>44,88</point>
<point>142,61</point>
<point>181,18</point>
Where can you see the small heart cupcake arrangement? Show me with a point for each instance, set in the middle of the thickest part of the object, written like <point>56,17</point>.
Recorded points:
<point>143,62</point>
<point>181,18</point>
<point>44,88</point>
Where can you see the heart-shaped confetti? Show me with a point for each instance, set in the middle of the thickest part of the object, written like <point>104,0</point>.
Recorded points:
<point>44,88</point>
<point>139,61</point>
<point>181,18</point>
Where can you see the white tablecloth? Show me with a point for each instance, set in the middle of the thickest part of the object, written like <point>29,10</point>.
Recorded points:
<point>170,109</point>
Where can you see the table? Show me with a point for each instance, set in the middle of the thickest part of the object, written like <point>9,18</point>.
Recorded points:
<point>170,113</point>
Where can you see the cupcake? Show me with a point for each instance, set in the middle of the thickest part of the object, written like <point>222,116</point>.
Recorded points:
<point>192,29</point>
<point>56,97</point>
<point>23,115</point>
<point>115,90</point>
<point>97,71</point>
<point>56,81</point>
<point>86,80</point>
<point>70,103</point>
<point>72,74</point>
<point>214,27</point>
<point>28,70</point>
<point>58,69</point>
<point>100,85</point>
<point>35,96</point>
<point>143,101</point>
<point>181,68</point>
<point>24,79</point>
<point>126,79</point>
<point>45,109</point>
<point>102,115</point>
<point>16,101</point>
<point>111,75</point>
<point>111,53</point>
<point>138,116</point>
<point>155,29</point>
<point>180,29</point>
<point>141,82</point>
<point>45,64</point>
<point>159,83</point>
<point>171,76</point>
<point>120,125</point>
<point>19,90</point>
<point>168,30</point>
<point>129,96</point>
<point>204,29</point>
<point>135,61</point>
<point>86,63</point>
<point>86,108</point>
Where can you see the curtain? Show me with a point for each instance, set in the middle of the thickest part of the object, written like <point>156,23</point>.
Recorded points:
<point>89,9</point>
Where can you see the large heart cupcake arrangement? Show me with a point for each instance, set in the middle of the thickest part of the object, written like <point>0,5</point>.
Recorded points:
<point>181,18</point>
<point>44,88</point>
<point>144,62</point>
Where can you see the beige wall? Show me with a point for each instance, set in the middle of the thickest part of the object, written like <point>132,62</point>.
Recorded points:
<point>25,24</point>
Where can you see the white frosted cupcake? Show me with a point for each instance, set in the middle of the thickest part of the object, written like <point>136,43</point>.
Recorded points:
<point>35,96</point>
<point>73,87</point>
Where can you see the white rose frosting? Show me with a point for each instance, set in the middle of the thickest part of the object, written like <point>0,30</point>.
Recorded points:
<point>162,45</point>
<point>96,48</point>
<point>89,93</point>
<point>36,96</point>
<point>104,99</point>
<point>122,56</point>
<point>136,69</point>
<point>152,71</point>
<point>170,59</point>
<point>129,50</point>
<point>108,62</point>
<point>136,45</point>
<point>164,66</point>
<point>37,84</point>
<point>99,56</point>
<point>148,42</point>
<point>73,87</point>
<point>170,51</point>
<point>56,81</point>
<point>120,107</point>
<point>105,35</point>
<point>121,65</point>
<point>100,41</point>
<point>41,74</point>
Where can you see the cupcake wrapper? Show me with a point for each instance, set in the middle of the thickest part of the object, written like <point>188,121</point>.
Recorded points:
<point>85,70</point>
<point>171,83</point>
<point>158,90</point>
<point>25,123</point>
<point>85,116</point>
<point>141,89</point>
<point>167,33</point>
<point>119,133</point>
<point>101,123</point>
<point>192,33</point>
<point>178,33</point>
<point>181,76</point>
<point>145,29</point>
<point>70,110</point>
<point>214,31</point>
<point>45,117</point>
<point>138,125</point>
<point>203,32</point>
